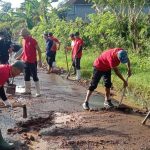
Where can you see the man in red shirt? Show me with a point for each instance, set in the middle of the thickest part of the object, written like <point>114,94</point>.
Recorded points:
<point>72,37</point>
<point>29,56</point>
<point>108,60</point>
<point>6,72</point>
<point>77,54</point>
<point>55,47</point>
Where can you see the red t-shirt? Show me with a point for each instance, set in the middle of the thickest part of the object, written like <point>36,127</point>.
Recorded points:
<point>107,60</point>
<point>4,73</point>
<point>55,41</point>
<point>29,49</point>
<point>78,43</point>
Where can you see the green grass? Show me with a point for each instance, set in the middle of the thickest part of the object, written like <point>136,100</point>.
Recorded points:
<point>86,61</point>
<point>139,82</point>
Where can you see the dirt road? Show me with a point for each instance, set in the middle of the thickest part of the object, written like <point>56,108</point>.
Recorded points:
<point>56,121</point>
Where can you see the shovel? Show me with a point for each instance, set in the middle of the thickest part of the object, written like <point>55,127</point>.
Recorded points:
<point>120,106</point>
<point>145,119</point>
<point>18,54</point>
<point>24,107</point>
<point>123,93</point>
<point>66,60</point>
<point>69,71</point>
<point>11,88</point>
<point>72,64</point>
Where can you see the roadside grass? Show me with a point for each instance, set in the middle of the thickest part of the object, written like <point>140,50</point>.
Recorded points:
<point>139,82</point>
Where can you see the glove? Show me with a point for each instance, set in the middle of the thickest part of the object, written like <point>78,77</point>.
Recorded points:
<point>7,103</point>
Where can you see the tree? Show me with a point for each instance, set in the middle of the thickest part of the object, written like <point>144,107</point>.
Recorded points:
<point>128,13</point>
<point>6,6</point>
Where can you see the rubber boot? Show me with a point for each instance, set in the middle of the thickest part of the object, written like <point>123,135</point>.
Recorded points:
<point>53,67</point>
<point>78,75</point>
<point>37,87</point>
<point>74,71</point>
<point>27,88</point>
<point>54,64</point>
<point>4,145</point>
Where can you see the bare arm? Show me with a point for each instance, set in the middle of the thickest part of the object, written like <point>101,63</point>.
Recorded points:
<point>117,72</point>
<point>68,48</point>
<point>58,45</point>
<point>39,52</point>
<point>129,68</point>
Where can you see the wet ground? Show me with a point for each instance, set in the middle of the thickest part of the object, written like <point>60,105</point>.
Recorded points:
<point>56,120</point>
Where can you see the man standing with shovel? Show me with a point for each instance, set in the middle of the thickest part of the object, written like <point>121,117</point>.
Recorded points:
<point>6,72</point>
<point>77,54</point>
<point>108,60</point>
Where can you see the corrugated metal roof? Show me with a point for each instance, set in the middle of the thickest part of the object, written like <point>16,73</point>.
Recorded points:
<point>77,2</point>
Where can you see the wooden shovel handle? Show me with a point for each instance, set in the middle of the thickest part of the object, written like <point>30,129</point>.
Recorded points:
<point>145,119</point>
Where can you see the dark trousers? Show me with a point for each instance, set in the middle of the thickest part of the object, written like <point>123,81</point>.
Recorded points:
<point>97,76</point>
<point>50,59</point>
<point>2,94</point>
<point>3,61</point>
<point>76,63</point>
<point>54,56</point>
<point>31,70</point>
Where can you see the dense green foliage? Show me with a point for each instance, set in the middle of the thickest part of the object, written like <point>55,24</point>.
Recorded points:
<point>116,24</point>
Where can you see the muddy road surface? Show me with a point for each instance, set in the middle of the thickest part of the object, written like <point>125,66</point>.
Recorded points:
<point>56,120</point>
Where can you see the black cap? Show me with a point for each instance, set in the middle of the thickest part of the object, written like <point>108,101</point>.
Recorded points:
<point>71,35</point>
<point>50,34</point>
<point>19,65</point>
<point>77,34</point>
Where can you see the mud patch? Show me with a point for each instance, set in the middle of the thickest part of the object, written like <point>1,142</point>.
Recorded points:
<point>85,130</point>
<point>121,108</point>
<point>88,144</point>
<point>34,124</point>
<point>98,130</point>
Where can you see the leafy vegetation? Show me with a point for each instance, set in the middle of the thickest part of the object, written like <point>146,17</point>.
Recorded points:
<point>117,23</point>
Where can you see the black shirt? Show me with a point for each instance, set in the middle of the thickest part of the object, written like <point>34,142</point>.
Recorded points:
<point>4,47</point>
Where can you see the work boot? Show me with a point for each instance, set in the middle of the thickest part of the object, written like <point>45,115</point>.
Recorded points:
<point>27,88</point>
<point>78,75</point>
<point>86,106</point>
<point>4,145</point>
<point>37,87</point>
<point>108,104</point>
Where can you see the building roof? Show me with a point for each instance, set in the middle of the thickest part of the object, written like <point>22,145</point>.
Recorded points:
<point>77,2</point>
